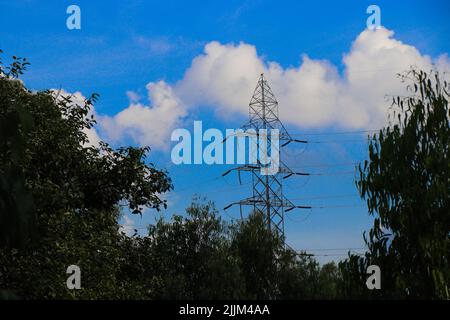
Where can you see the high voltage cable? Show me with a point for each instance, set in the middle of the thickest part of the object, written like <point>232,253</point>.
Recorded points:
<point>335,249</point>
<point>247,134</point>
<point>322,207</point>
<point>216,190</point>
<point>338,206</point>
<point>327,255</point>
<point>184,189</point>
<point>328,165</point>
<point>332,133</point>
<point>331,173</point>
<point>303,219</point>
<point>338,141</point>
<point>334,206</point>
<point>197,184</point>
<point>303,252</point>
<point>328,196</point>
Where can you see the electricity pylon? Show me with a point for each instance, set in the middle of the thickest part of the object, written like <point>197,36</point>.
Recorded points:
<point>267,197</point>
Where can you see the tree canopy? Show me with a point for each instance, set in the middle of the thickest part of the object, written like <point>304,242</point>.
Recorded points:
<point>61,199</point>
<point>406,184</point>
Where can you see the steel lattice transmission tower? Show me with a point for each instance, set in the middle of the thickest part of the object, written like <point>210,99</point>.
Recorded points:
<point>268,197</point>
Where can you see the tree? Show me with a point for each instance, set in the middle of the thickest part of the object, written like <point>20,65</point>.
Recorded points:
<point>406,185</point>
<point>17,219</point>
<point>329,281</point>
<point>271,270</point>
<point>257,249</point>
<point>60,201</point>
<point>51,182</point>
<point>193,257</point>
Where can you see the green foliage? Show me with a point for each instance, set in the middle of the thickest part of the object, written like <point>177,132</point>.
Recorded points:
<point>198,256</point>
<point>258,250</point>
<point>67,193</point>
<point>272,271</point>
<point>193,256</point>
<point>17,218</point>
<point>59,205</point>
<point>406,184</point>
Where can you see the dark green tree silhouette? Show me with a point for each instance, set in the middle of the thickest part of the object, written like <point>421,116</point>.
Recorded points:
<point>17,218</point>
<point>60,201</point>
<point>64,193</point>
<point>192,256</point>
<point>406,184</point>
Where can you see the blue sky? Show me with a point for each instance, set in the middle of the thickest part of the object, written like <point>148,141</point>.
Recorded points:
<point>123,46</point>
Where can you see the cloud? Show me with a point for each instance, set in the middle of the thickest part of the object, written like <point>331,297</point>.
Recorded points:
<point>133,96</point>
<point>128,227</point>
<point>78,99</point>
<point>313,94</point>
<point>155,46</point>
<point>145,124</point>
<point>223,77</point>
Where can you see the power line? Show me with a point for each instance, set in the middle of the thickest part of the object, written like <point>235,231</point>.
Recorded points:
<point>197,184</point>
<point>329,165</point>
<point>335,249</point>
<point>328,196</point>
<point>333,133</point>
<point>133,228</point>
<point>332,173</point>
<point>337,141</point>
<point>247,134</point>
<point>242,185</point>
<point>326,255</point>
<point>300,220</point>
<point>338,206</point>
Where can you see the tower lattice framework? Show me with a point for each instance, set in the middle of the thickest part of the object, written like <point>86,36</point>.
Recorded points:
<point>267,194</point>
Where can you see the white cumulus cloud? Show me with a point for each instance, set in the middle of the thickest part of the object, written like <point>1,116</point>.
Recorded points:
<point>145,124</point>
<point>313,94</point>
